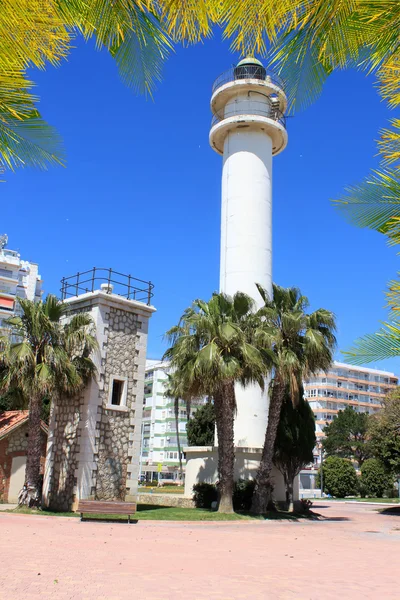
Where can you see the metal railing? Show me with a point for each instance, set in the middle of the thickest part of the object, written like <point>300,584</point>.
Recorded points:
<point>117,283</point>
<point>255,108</point>
<point>235,74</point>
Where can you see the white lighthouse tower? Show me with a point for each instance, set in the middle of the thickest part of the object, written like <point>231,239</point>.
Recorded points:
<point>248,129</point>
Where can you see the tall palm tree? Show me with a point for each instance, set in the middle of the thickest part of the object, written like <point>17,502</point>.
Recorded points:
<point>213,347</point>
<point>302,344</point>
<point>174,391</point>
<point>50,357</point>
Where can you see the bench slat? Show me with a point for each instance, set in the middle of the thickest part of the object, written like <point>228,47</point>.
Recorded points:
<point>95,506</point>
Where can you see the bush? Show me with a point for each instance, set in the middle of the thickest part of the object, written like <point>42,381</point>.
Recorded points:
<point>375,478</point>
<point>362,489</point>
<point>243,494</point>
<point>391,493</point>
<point>340,479</point>
<point>200,428</point>
<point>204,494</point>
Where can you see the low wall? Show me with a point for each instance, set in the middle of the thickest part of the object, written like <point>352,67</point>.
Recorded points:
<point>173,500</point>
<point>202,466</point>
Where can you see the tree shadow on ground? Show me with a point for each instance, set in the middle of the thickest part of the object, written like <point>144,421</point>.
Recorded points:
<point>144,507</point>
<point>391,510</point>
<point>334,519</point>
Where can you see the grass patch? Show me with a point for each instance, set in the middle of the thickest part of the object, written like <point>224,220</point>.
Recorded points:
<point>147,512</point>
<point>384,500</point>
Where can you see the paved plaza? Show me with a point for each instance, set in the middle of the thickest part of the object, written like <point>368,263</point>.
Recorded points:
<point>353,553</point>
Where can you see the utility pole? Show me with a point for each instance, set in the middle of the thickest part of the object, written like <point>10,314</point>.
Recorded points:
<point>321,470</point>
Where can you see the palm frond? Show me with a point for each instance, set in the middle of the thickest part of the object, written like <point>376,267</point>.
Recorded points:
<point>29,142</point>
<point>388,80</point>
<point>375,203</point>
<point>389,144</point>
<point>187,21</point>
<point>141,54</point>
<point>374,347</point>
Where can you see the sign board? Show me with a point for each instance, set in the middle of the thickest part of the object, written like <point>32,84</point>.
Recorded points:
<point>159,467</point>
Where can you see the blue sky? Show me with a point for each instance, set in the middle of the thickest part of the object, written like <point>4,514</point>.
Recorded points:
<point>141,191</point>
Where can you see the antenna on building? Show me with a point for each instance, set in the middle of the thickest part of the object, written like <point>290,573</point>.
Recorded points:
<point>3,240</point>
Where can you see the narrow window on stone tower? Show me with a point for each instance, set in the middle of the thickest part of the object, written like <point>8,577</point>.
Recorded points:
<point>117,392</point>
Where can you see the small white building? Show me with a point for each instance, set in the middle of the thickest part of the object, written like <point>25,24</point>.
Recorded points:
<point>159,449</point>
<point>18,279</point>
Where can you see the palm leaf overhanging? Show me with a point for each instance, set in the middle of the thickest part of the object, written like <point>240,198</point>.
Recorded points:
<point>305,39</point>
<point>39,32</point>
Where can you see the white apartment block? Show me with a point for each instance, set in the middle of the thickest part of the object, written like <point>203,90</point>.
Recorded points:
<point>18,279</point>
<point>159,449</point>
<point>361,388</point>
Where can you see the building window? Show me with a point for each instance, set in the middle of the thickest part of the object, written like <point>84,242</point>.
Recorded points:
<point>117,393</point>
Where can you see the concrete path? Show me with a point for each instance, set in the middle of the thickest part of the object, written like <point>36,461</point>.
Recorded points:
<point>352,554</point>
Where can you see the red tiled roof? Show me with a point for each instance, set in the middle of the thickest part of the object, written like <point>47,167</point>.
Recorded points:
<point>11,419</point>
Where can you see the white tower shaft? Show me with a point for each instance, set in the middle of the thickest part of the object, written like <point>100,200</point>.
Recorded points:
<point>246,251</point>
<point>246,215</point>
<point>248,129</point>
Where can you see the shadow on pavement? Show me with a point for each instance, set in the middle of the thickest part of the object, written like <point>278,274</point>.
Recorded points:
<point>337,519</point>
<point>392,510</point>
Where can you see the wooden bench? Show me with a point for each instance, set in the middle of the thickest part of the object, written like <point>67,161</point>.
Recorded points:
<point>88,507</point>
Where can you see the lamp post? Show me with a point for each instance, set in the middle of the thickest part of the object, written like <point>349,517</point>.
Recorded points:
<point>321,457</point>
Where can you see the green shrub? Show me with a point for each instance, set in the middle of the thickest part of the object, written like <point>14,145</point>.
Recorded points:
<point>340,479</point>
<point>362,489</point>
<point>204,494</point>
<point>375,478</point>
<point>391,493</point>
<point>243,494</point>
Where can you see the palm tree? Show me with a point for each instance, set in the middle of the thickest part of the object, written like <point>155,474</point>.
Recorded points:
<point>213,347</point>
<point>48,358</point>
<point>174,391</point>
<point>302,344</point>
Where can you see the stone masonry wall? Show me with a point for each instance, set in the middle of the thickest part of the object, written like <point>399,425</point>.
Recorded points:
<point>115,426</point>
<point>64,422</point>
<point>15,444</point>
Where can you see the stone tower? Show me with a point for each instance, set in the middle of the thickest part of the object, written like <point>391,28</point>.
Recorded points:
<point>94,440</point>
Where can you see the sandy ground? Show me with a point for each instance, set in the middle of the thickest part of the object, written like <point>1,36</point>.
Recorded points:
<point>353,553</point>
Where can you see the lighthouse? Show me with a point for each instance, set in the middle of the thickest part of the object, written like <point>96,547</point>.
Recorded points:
<point>248,128</point>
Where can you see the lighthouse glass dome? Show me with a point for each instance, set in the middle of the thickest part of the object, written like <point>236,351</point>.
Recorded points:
<point>248,68</point>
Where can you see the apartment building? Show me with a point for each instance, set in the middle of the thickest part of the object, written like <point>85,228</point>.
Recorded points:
<point>361,388</point>
<point>159,449</point>
<point>18,279</point>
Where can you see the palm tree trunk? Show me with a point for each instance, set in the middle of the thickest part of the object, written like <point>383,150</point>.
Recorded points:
<point>225,404</point>
<point>289,494</point>
<point>34,451</point>
<point>262,489</point>
<point>177,437</point>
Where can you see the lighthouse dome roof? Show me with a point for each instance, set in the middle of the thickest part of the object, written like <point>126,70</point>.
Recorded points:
<point>249,60</point>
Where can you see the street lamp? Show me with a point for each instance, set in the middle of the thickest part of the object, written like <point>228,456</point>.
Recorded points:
<point>321,458</point>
